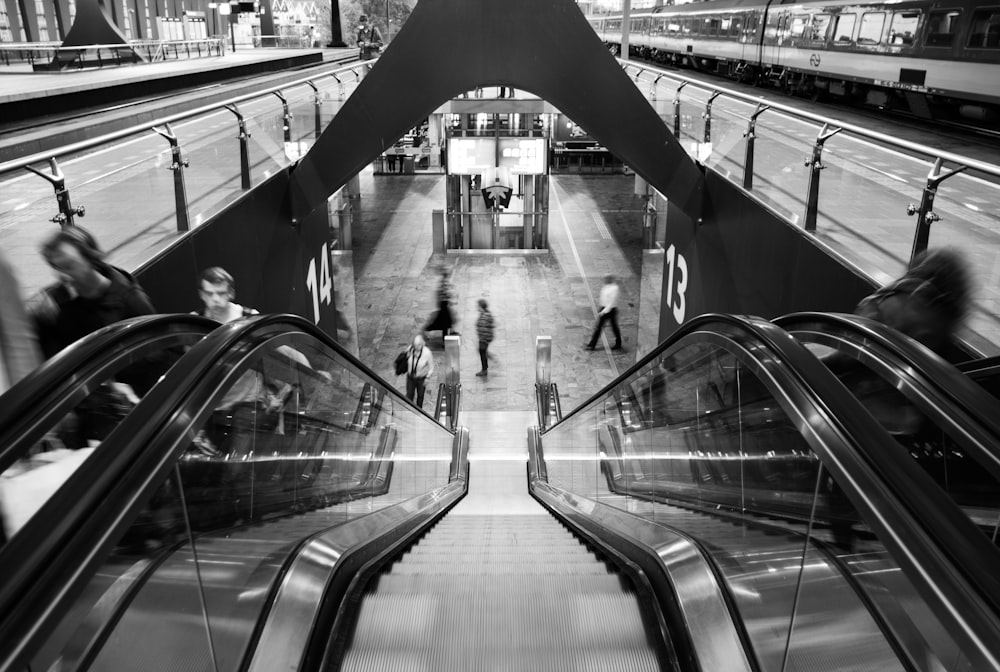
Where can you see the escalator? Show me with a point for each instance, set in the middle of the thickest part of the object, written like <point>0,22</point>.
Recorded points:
<point>259,536</point>
<point>948,424</point>
<point>49,420</point>
<point>738,452</point>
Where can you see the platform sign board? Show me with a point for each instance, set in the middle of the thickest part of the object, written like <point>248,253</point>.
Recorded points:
<point>471,156</point>
<point>524,156</point>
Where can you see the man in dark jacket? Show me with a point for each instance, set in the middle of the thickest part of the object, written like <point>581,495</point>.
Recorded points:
<point>369,39</point>
<point>90,293</point>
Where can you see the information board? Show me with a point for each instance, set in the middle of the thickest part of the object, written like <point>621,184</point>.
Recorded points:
<point>474,156</point>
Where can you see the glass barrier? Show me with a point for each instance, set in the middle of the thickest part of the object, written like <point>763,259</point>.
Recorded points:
<point>946,438</point>
<point>56,418</point>
<point>850,167</point>
<point>294,439</point>
<point>128,187</point>
<point>704,439</point>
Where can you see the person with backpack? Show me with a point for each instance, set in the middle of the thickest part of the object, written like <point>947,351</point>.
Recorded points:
<point>369,39</point>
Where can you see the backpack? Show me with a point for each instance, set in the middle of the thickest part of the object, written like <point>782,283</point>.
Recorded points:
<point>401,364</point>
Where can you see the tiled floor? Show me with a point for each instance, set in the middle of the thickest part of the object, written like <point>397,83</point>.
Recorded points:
<point>594,228</point>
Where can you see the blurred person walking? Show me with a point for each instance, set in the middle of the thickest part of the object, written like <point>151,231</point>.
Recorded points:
<point>443,319</point>
<point>485,329</point>
<point>19,353</point>
<point>90,293</point>
<point>608,312</point>
<point>929,302</point>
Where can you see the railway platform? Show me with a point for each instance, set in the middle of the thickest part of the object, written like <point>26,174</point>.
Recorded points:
<point>33,95</point>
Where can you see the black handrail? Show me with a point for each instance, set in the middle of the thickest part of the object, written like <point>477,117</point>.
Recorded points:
<point>49,561</point>
<point>77,365</point>
<point>944,530</point>
<point>946,378</point>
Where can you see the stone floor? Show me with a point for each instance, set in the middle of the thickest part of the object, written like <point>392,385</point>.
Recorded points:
<point>594,229</point>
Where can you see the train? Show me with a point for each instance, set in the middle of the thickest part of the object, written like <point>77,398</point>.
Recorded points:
<point>934,59</point>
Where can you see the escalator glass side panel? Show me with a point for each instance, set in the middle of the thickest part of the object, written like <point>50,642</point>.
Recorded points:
<point>268,453</point>
<point>945,437</point>
<point>55,418</point>
<point>704,440</point>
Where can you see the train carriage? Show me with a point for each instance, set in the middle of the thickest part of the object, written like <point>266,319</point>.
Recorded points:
<point>931,57</point>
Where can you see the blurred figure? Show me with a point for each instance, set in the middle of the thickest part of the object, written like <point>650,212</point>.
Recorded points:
<point>217,289</point>
<point>485,328</point>
<point>419,365</point>
<point>90,293</point>
<point>928,303</point>
<point>443,319</point>
<point>19,354</point>
<point>609,312</point>
<point>369,39</point>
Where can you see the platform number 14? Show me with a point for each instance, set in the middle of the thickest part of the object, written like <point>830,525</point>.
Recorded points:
<point>677,271</point>
<point>321,286</point>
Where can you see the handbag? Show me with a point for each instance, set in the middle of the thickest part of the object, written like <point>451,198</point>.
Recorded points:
<point>401,363</point>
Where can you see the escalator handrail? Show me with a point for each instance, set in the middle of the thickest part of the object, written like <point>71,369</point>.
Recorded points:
<point>48,562</point>
<point>954,545</point>
<point>945,377</point>
<point>35,395</point>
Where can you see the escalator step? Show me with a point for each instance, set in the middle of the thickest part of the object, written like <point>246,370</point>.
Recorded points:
<point>499,593</point>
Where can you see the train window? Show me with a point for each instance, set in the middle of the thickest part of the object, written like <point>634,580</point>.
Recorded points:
<point>870,31</point>
<point>797,26</point>
<point>613,24</point>
<point>691,26</point>
<point>985,33</point>
<point>736,26</point>
<point>711,25</point>
<point>843,31</point>
<point>941,28</point>
<point>820,24</point>
<point>903,29</point>
<point>673,27</point>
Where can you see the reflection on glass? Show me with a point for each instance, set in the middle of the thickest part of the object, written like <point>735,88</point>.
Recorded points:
<point>296,441</point>
<point>699,441</point>
<point>73,425</point>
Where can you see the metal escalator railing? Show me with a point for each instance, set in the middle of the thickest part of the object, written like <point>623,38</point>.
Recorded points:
<point>245,454</point>
<point>48,419</point>
<point>830,545</point>
<point>984,372</point>
<point>948,424</point>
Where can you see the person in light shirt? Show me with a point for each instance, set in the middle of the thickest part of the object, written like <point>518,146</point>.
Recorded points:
<point>608,312</point>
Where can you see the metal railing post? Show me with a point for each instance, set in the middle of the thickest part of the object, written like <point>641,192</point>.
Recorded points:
<point>815,164</point>
<point>286,116</point>
<point>925,213</point>
<point>340,86</point>
<point>653,87</point>
<point>677,109</point>
<point>751,135</point>
<point>318,105</point>
<point>58,181</point>
<point>543,377</point>
<point>178,165</point>
<point>246,180</point>
<point>707,116</point>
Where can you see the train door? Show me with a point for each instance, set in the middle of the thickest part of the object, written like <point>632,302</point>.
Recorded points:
<point>774,31</point>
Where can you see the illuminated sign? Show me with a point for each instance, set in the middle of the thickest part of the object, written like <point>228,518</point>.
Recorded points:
<point>523,156</point>
<point>474,156</point>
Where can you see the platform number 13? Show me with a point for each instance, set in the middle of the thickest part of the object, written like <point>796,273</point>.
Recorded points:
<point>321,286</point>
<point>677,271</point>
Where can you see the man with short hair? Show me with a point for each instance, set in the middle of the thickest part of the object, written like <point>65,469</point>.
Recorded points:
<point>217,290</point>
